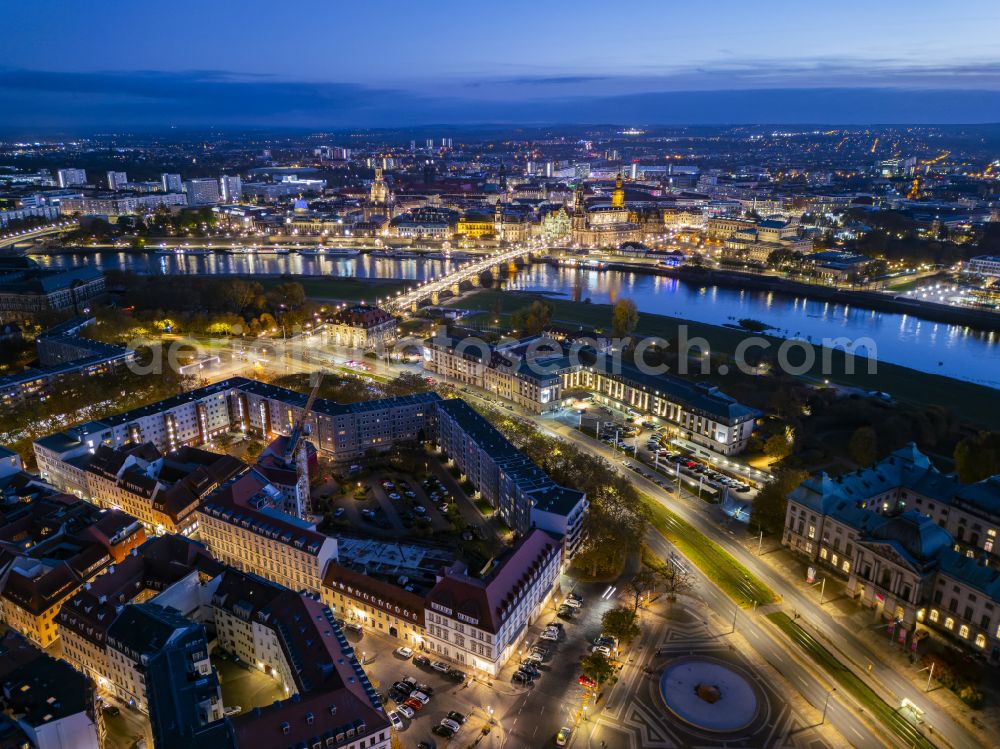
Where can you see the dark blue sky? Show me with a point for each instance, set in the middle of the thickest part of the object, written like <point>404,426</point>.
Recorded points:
<point>336,64</point>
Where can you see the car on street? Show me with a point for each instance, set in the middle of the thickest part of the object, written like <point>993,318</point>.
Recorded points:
<point>549,635</point>
<point>602,649</point>
<point>520,677</point>
<point>574,597</point>
<point>415,704</point>
<point>394,496</point>
<point>113,711</point>
<point>566,612</point>
<point>353,627</point>
<point>457,717</point>
<point>422,660</point>
<point>586,681</point>
<point>396,721</point>
<point>404,652</point>
<point>406,711</point>
<point>339,512</point>
<point>456,675</point>
<point>562,738</point>
<point>441,667</point>
<point>232,710</point>
<point>447,723</point>
<point>573,602</point>
<point>419,696</point>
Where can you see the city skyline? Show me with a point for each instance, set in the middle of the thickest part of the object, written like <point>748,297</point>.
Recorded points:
<point>390,66</point>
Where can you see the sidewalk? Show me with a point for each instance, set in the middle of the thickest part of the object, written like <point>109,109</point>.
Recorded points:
<point>870,631</point>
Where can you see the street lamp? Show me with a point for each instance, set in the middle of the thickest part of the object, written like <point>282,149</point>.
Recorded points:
<point>827,704</point>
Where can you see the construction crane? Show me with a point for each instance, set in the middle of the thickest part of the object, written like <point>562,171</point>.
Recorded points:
<point>300,426</point>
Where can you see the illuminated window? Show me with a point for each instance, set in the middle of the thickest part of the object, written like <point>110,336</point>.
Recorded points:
<point>934,615</point>
<point>964,631</point>
<point>949,623</point>
<point>846,566</point>
<point>980,640</point>
<point>834,560</point>
<point>812,531</point>
<point>822,553</point>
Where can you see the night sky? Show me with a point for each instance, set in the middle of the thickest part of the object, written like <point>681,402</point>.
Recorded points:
<point>70,63</point>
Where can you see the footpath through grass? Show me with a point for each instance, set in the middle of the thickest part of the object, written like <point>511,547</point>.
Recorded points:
<point>718,564</point>
<point>851,683</point>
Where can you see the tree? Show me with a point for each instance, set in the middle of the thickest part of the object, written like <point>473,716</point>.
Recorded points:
<point>531,320</point>
<point>597,667</point>
<point>863,446</point>
<point>977,458</point>
<point>639,586</point>
<point>624,317</point>
<point>768,510</point>
<point>620,623</point>
<point>777,446</point>
<point>675,577</point>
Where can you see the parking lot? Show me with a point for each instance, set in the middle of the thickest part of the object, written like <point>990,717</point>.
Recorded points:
<point>524,714</point>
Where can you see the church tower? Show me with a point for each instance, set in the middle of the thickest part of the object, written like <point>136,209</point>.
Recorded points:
<point>618,196</point>
<point>578,223</point>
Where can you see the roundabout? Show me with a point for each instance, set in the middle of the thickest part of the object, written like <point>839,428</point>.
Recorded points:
<point>709,694</point>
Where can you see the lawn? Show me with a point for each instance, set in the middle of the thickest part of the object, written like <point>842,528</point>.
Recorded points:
<point>849,682</point>
<point>336,288</point>
<point>717,563</point>
<point>974,403</point>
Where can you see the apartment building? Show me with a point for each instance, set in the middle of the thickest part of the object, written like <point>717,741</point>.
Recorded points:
<point>344,431</point>
<point>241,525</point>
<point>480,621</point>
<point>56,544</point>
<point>915,544</point>
<point>162,491</point>
<point>523,493</point>
<point>52,704</point>
<point>434,604</point>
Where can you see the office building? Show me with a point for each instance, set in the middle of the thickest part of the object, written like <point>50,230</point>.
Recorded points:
<point>362,326</point>
<point>913,543</point>
<point>171,182</point>
<point>27,289</point>
<point>230,188</point>
<point>984,265</point>
<point>72,177</point>
<point>534,374</point>
<point>117,181</point>
<point>202,191</point>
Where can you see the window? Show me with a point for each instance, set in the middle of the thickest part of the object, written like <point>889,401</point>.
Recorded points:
<point>980,640</point>
<point>934,615</point>
<point>949,623</point>
<point>964,631</point>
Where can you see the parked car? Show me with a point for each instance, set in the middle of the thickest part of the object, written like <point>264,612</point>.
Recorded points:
<point>443,731</point>
<point>403,687</point>
<point>422,661</point>
<point>112,711</point>
<point>417,705</point>
<point>426,689</point>
<point>455,727</point>
<point>457,717</point>
<point>396,721</point>
<point>456,675</point>
<point>339,512</point>
<point>520,677</point>
<point>586,681</point>
<point>562,738</point>
<point>602,649</point>
<point>549,635</point>
<point>354,627</point>
<point>441,667</point>
<point>576,604</point>
<point>404,652</point>
<point>232,710</point>
<point>419,696</point>
<point>406,711</point>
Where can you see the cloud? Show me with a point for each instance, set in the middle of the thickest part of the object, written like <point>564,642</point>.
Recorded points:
<point>755,94</point>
